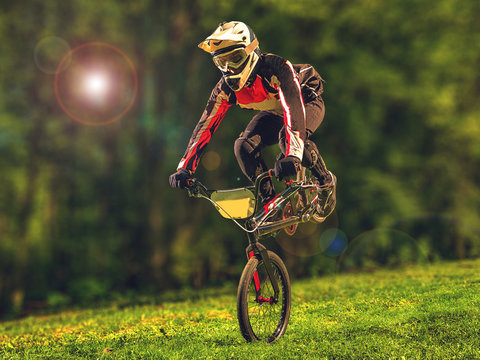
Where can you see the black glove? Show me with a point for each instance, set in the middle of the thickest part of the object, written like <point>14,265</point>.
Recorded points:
<point>180,179</point>
<point>287,167</point>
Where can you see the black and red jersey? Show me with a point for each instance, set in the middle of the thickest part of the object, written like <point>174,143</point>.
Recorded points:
<point>276,86</point>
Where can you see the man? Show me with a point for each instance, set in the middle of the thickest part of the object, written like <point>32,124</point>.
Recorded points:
<point>287,96</point>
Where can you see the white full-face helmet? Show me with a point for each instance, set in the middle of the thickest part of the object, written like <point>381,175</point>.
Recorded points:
<point>235,51</point>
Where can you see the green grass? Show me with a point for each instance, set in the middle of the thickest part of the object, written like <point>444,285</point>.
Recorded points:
<point>420,312</point>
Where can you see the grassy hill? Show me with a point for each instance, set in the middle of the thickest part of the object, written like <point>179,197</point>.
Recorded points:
<point>418,312</point>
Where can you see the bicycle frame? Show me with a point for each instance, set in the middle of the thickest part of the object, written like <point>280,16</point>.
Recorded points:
<point>264,220</point>
<point>260,219</point>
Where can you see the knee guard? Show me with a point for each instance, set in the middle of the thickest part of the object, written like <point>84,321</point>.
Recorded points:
<point>247,152</point>
<point>247,145</point>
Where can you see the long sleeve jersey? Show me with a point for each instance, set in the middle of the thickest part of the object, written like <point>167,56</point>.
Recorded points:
<point>278,87</point>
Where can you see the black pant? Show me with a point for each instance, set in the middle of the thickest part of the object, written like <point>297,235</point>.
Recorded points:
<point>266,129</point>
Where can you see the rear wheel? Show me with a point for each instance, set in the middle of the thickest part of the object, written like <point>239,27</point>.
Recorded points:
<point>261,317</point>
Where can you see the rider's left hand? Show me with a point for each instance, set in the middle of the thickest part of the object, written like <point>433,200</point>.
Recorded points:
<point>287,166</point>
<point>180,179</point>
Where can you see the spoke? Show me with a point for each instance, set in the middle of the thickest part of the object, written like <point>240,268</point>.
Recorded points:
<point>265,317</point>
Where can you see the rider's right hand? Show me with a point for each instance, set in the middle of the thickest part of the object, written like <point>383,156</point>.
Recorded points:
<point>180,179</point>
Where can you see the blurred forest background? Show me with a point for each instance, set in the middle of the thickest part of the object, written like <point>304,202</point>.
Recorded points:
<point>86,212</point>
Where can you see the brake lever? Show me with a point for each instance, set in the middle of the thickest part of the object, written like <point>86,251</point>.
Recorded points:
<point>196,189</point>
<point>192,190</point>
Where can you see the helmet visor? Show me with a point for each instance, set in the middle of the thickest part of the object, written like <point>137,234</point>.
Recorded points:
<point>230,60</point>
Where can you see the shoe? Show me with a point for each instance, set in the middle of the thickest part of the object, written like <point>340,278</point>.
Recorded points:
<point>326,179</point>
<point>318,168</point>
<point>329,193</point>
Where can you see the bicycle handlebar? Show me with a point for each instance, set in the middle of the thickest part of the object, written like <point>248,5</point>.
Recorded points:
<point>195,188</point>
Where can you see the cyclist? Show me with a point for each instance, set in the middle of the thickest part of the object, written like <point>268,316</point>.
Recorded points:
<point>287,96</point>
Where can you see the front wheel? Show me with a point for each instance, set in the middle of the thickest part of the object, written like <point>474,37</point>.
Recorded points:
<point>259,315</point>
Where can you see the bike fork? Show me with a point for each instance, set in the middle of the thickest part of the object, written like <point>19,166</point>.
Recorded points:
<point>256,248</point>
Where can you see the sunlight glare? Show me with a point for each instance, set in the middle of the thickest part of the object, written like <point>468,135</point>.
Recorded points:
<point>96,84</point>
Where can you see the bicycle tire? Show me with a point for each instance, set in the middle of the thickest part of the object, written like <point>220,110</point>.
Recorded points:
<point>263,321</point>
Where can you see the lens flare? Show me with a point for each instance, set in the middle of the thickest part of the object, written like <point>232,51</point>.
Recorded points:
<point>96,84</point>
<point>333,242</point>
<point>211,160</point>
<point>96,87</point>
<point>381,247</point>
<point>99,86</point>
<point>306,241</point>
<point>49,52</point>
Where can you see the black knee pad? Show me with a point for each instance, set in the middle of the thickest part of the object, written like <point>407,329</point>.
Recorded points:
<point>247,146</point>
<point>247,152</point>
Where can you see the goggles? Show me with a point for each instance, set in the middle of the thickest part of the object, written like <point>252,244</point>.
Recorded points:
<point>235,58</point>
<point>232,59</point>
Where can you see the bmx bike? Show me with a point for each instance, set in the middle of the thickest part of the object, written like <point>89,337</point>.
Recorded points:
<point>264,294</point>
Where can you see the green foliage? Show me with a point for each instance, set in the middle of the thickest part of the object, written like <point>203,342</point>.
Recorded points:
<point>422,312</point>
<point>87,211</point>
